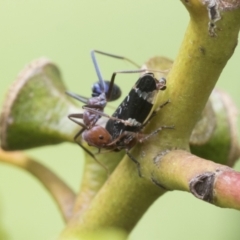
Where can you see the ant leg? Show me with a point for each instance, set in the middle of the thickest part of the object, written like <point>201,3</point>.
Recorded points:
<point>97,112</point>
<point>146,137</point>
<point>113,78</point>
<point>92,155</point>
<point>129,71</point>
<point>117,56</point>
<point>97,69</point>
<point>100,78</point>
<point>78,134</point>
<point>77,115</point>
<point>135,161</point>
<point>125,122</point>
<point>88,151</point>
<point>125,133</point>
<point>77,97</point>
<point>117,139</point>
<point>93,106</point>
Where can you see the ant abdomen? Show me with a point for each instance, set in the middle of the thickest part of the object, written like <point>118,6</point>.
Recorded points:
<point>115,93</point>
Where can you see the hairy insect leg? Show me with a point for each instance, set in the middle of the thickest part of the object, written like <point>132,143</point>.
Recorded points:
<point>125,122</point>
<point>135,161</point>
<point>146,137</point>
<point>79,116</point>
<point>117,56</point>
<point>154,113</point>
<point>161,106</point>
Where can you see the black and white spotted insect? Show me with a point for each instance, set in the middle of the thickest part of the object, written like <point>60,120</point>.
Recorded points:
<point>124,128</point>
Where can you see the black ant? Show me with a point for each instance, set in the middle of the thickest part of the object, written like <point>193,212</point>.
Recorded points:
<point>102,92</point>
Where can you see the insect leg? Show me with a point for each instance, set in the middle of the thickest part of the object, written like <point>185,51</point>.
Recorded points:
<point>117,56</point>
<point>88,151</point>
<point>78,134</point>
<point>78,97</point>
<point>103,86</point>
<point>71,116</point>
<point>154,113</point>
<point>118,72</point>
<point>135,161</point>
<point>161,106</point>
<point>77,115</point>
<point>100,78</point>
<point>92,110</point>
<point>146,137</point>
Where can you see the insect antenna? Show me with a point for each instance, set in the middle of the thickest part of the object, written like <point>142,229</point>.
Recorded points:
<point>100,78</point>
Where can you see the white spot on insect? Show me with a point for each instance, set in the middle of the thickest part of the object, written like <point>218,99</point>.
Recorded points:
<point>120,110</point>
<point>148,96</point>
<point>133,122</point>
<point>128,97</point>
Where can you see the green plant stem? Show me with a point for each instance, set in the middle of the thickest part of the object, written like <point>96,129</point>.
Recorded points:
<point>178,175</point>
<point>94,177</point>
<point>197,68</point>
<point>125,197</point>
<point>61,193</point>
<point>120,203</point>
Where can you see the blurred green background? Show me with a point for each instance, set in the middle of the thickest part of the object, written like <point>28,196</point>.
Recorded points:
<point>66,31</point>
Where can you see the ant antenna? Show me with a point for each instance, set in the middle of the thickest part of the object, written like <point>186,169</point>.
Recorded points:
<point>100,78</point>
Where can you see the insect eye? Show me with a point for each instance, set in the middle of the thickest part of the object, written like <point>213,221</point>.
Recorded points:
<point>162,81</point>
<point>162,84</point>
<point>101,137</point>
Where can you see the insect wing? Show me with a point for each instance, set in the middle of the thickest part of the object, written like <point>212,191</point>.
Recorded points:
<point>136,106</point>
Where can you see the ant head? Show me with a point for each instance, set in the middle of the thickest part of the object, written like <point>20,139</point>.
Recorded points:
<point>97,136</point>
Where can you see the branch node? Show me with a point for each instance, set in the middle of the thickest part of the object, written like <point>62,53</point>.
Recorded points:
<point>214,16</point>
<point>159,156</point>
<point>201,186</point>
